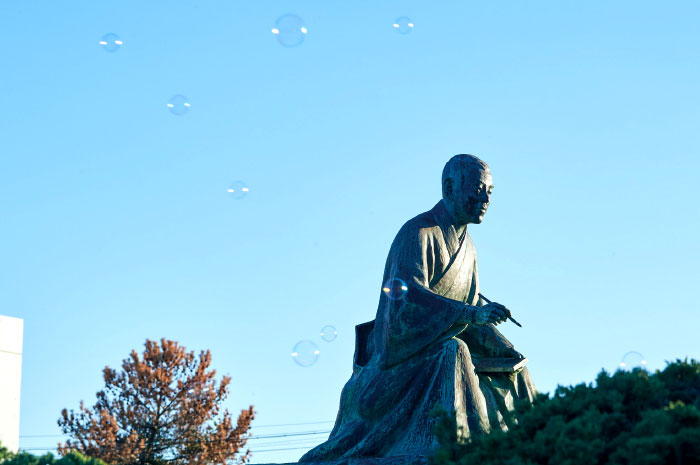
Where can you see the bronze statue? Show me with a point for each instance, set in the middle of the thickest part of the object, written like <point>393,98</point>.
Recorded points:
<point>433,344</point>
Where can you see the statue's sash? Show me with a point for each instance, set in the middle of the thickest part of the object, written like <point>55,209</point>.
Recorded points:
<point>456,281</point>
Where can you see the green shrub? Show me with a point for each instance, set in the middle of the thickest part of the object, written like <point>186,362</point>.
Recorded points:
<point>628,418</point>
<point>25,458</point>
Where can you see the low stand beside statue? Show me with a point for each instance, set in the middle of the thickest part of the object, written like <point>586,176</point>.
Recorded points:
<point>433,345</point>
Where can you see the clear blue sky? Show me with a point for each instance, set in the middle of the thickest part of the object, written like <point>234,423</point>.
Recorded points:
<point>116,224</point>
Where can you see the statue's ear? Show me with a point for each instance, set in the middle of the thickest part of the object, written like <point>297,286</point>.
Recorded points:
<point>447,188</point>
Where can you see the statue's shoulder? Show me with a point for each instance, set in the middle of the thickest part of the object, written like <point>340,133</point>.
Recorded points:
<point>419,225</point>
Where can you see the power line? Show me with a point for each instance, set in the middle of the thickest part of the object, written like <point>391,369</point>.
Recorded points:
<point>300,442</point>
<point>296,442</point>
<point>288,441</point>
<point>252,451</point>
<point>294,424</point>
<point>306,433</point>
<point>269,436</point>
<point>275,450</point>
<point>252,427</point>
<point>301,433</point>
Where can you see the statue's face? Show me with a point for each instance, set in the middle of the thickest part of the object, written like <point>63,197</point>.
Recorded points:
<point>471,197</point>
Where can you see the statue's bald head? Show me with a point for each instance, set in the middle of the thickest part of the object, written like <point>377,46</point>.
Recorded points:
<point>466,188</point>
<point>460,166</point>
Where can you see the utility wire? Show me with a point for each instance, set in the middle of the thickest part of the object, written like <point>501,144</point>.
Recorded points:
<point>275,450</point>
<point>252,451</point>
<point>294,424</point>
<point>292,441</point>
<point>264,436</point>
<point>269,436</point>
<point>252,427</point>
<point>305,433</point>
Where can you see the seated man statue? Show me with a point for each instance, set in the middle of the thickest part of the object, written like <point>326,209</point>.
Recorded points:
<point>421,354</point>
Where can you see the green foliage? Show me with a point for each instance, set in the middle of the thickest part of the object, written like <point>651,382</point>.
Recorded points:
<point>628,418</point>
<point>25,458</point>
<point>4,453</point>
<point>76,458</point>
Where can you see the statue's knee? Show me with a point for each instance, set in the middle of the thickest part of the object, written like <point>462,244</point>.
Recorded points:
<point>456,346</point>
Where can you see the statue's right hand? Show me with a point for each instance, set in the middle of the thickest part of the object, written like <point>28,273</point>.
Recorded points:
<point>490,313</point>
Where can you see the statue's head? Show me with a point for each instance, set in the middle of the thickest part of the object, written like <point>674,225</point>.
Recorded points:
<point>466,188</point>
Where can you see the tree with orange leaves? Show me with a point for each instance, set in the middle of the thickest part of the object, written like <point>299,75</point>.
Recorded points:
<point>163,407</point>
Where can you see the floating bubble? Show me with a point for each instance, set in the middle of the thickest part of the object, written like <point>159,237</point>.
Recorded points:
<point>632,360</point>
<point>289,30</point>
<point>237,190</point>
<point>329,333</point>
<point>403,25</point>
<point>305,353</point>
<point>111,42</point>
<point>395,288</point>
<point>178,105</point>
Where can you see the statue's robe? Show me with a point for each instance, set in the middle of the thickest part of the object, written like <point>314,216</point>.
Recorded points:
<point>415,358</point>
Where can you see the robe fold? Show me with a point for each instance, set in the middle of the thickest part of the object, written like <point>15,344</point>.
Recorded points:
<point>416,357</point>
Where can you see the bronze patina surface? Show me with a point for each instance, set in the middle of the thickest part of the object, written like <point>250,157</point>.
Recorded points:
<point>433,345</point>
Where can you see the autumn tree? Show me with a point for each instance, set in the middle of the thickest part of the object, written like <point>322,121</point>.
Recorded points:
<point>162,407</point>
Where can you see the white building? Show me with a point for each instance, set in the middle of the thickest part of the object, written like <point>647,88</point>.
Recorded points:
<point>10,378</point>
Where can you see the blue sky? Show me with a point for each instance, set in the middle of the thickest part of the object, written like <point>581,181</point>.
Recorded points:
<point>117,226</point>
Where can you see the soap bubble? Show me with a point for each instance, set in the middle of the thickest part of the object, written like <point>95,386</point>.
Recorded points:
<point>395,288</point>
<point>632,360</point>
<point>305,353</point>
<point>111,42</point>
<point>403,25</point>
<point>329,333</point>
<point>289,30</point>
<point>237,190</point>
<point>178,105</point>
